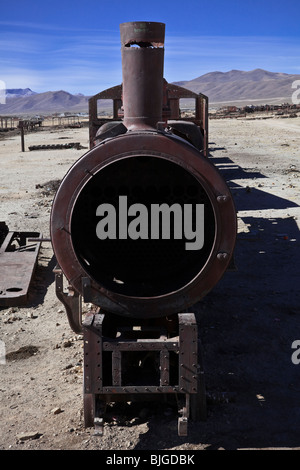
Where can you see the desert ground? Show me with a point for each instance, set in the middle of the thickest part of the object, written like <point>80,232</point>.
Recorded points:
<point>247,323</point>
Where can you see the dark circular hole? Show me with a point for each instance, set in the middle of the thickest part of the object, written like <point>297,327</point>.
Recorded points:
<point>141,267</point>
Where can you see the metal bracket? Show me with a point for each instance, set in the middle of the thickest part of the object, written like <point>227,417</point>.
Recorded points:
<point>71,300</point>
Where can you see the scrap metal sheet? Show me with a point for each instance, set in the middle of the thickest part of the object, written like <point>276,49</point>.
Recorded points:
<point>18,259</point>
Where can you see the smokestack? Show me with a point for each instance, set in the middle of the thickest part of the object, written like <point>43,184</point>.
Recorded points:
<point>142,69</point>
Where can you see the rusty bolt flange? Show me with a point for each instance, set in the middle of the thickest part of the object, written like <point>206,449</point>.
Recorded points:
<point>222,256</point>
<point>223,198</point>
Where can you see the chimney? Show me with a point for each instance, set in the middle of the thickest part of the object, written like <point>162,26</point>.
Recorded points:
<point>142,69</point>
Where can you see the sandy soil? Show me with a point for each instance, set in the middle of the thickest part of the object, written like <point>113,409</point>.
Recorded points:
<point>247,323</point>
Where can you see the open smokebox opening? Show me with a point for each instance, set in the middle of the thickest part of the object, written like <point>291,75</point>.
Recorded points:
<point>129,248</point>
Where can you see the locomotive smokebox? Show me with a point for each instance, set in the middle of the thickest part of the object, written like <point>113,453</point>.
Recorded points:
<point>143,225</point>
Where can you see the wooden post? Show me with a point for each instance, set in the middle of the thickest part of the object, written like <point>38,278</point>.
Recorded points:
<point>21,126</point>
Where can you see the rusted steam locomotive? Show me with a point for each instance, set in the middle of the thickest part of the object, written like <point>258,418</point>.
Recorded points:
<point>142,226</point>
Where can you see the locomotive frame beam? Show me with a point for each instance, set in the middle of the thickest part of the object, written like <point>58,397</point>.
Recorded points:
<point>101,352</point>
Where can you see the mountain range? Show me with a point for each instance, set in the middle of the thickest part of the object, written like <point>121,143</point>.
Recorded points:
<point>48,102</point>
<point>233,87</point>
<point>242,88</point>
<point>17,92</point>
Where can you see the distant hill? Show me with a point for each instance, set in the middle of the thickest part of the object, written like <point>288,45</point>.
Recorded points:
<point>17,92</point>
<point>240,87</point>
<point>48,102</point>
<point>233,87</point>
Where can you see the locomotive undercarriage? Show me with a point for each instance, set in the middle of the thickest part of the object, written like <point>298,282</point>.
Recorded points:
<point>128,360</point>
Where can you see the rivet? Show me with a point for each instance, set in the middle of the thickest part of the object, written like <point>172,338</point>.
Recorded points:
<point>223,198</point>
<point>222,256</point>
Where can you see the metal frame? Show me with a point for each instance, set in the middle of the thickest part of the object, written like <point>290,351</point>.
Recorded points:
<point>128,146</point>
<point>171,111</point>
<point>71,300</point>
<point>98,390</point>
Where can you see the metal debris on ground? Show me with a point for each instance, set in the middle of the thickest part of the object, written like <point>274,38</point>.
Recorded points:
<point>70,145</point>
<point>18,260</point>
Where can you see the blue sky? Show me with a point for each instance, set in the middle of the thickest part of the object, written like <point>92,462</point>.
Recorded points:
<point>75,45</point>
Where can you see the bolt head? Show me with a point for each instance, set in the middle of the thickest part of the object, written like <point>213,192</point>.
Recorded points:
<point>223,256</point>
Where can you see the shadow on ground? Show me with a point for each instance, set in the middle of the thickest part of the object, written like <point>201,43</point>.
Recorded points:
<point>247,325</point>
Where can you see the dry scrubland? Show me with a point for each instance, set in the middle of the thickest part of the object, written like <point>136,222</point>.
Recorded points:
<point>247,323</point>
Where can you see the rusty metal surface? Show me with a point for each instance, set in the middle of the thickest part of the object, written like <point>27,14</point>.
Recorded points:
<point>70,145</point>
<point>112,152</point>
<point>93,366</point>
<point>188,353</point>
<point>170,110</point>
<point>145,98</point>
<point>135,341</point>
<point>71,300</point>
<point>18,259</point>
<point>142,69</point>
<point>114,161</point>
<point>142,32</point>
<point>106,366</point>
<point>114,94</point>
